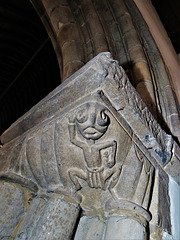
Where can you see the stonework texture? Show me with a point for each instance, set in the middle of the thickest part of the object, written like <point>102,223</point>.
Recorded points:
<point>88,162</point>
<point>80,30</point>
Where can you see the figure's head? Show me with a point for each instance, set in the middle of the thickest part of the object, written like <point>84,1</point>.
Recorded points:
<point>92,121</point>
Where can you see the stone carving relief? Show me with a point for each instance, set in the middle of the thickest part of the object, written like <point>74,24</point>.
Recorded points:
<point>104,171</point>
<point>89,156</point>
<point>110,184</point>
<point>100,158</point>
<point>138,106</point>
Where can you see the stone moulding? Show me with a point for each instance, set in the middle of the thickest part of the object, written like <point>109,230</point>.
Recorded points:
<point>93,142</point>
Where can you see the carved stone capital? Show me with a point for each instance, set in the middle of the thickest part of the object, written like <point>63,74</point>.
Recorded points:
<point>93,141</point>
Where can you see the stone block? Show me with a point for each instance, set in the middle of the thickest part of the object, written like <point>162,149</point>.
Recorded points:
<point>57,221</point>
<point>67,33</point>
<point>90,228</point>
<point>131,39</point>
<point>72,51</point>
<point>120,228</point>
<point>12,209</point>
<point>100,43</point>
<point>119,8</point>
<point>141,72</point>
<point>125,22</point>
<point>32,217</point>
<point>60,15</point>
<point>173,167</point>
<point>137,54</point>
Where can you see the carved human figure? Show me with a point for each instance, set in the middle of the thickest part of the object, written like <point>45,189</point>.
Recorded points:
<point>92,122</point>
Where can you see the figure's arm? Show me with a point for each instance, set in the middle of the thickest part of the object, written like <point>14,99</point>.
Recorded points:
<point>110,159</point>
<point>107,144</point>
<point>72,134</point>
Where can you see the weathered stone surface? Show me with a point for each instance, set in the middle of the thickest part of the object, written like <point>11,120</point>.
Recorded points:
<point>31,219</point>
<point>120,228</point>
<point>57,221</point>
<point>12,209</point>
<point>116,228</point>
<point>122,21</point>
<point>121,95</point>
<point>161,76</point>
<point>90,228</point>
<point>173,167</point>
<point>98,148</point>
